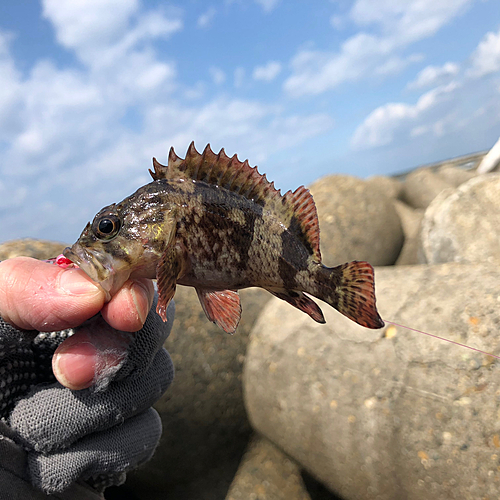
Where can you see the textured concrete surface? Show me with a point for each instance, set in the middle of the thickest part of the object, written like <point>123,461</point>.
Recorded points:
<point>205,427</point>
<point>388,414</point>
<point>266,473</point>
<point>421,186</point>
<point>463,224</point>
<point>455,176</point>
<point>389,186</point>
<point>357,222</point>
<point>27,247</point>
<point>411,221</point>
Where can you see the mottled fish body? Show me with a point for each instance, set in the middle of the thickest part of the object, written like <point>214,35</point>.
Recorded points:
<point>215,223</point>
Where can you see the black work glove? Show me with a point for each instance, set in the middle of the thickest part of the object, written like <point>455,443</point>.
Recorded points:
<point>94,435</point>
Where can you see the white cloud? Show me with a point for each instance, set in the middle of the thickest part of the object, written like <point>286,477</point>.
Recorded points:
<point>337,22</point>
<point>392,66</point>
<point>419,130</point>
<point>12,197</point>
<point>432,75</point>
<point>113,39</point>
<point>486,57</point>
<point>197,91</point>
<point>206,18</point>
<point>314,72</point>
<point>268,5</point>
<point>397,24</point>
<point>5,39</point>
<point>105,32</point>
<point>268,72</point>
<point>10,92</point>
<point>81,23</point>
<point>451,112</point>
<point>396,64</point>
<point>381,125</point>
<point>218,76</point>
<point>407,21</point>
<point>239,77</point>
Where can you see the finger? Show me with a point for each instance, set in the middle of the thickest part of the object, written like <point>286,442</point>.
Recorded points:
<point>129,307</point>
<point>35,295</point>
<point>91,356</point>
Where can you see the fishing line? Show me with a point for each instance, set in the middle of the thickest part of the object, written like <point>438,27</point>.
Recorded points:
<point>442,338</point>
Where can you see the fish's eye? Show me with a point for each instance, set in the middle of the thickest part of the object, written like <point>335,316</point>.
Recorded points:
<point>106,227</point>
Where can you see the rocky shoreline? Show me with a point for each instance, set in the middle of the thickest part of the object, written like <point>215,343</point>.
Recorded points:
<point>385,414</point>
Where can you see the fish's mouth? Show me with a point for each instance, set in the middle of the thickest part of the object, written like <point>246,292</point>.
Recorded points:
<point>98,267</point>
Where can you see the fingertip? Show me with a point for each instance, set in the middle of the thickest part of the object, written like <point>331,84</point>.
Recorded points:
<point>142,294</point>
<point>129,307</point>
<point>75,282</point>
<point>74,365</point>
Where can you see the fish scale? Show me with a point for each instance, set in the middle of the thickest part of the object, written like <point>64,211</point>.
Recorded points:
<point>214,223</point>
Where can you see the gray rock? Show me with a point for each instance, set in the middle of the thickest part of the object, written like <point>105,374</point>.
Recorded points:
<point>387,414</point>
<point>205,427</point>
<point>357,222</point>
<point>389,186</point>
<point>455,176</point>
<point>463,224</point>
<point>421,186</point>
<point>267,473</point>
<point>411,220</point>
<point>28,247</point>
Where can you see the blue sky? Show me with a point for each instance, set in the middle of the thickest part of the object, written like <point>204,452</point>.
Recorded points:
<point>91,90</point>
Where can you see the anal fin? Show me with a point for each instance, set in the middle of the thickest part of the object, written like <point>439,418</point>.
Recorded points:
<point>302,302</point>
<point>221,307</point>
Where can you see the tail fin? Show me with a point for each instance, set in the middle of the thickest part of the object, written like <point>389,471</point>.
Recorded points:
<point>351,290</point>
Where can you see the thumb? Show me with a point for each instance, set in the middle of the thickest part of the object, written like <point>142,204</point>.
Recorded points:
<point>35,295</point>
<point>92,356</point>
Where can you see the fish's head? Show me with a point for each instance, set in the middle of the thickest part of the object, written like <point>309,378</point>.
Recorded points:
<point>123,241</point>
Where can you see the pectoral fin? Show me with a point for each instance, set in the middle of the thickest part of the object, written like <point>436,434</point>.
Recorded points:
<point>222,308</point>
<point>302,302</point>
<point>170,268</point>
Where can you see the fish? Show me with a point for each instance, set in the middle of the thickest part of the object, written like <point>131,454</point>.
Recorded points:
<point>215,223</point>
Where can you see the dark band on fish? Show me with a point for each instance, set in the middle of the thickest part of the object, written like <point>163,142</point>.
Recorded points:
<point>295,228</point>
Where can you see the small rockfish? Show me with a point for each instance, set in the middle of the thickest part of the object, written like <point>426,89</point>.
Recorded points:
<point>216,224</point>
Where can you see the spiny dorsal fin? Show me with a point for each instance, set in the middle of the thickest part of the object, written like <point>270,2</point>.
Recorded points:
<point>239,177</point>
<point>304,210</point>
<point>162,171</point>
<point>218,169</point>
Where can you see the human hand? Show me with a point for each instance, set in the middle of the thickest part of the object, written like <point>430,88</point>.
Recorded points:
<point>59,427</point>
